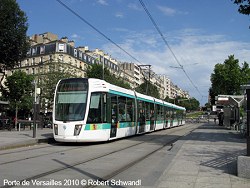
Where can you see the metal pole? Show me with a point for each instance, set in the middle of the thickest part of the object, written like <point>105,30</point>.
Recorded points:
<point>248,121</point>
<point>34,116</point>
<point>103,70</point>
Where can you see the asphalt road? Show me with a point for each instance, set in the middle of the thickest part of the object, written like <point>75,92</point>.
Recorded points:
<point>134,161</point>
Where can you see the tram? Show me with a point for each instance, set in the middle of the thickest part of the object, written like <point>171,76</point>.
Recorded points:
<point>92,110</point>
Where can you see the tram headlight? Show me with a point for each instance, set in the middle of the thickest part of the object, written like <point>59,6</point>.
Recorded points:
<point>56,129</point>
<point>77,129</point>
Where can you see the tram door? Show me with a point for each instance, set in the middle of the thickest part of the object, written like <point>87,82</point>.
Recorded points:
<point>152,117</point>
<point>114,116</point>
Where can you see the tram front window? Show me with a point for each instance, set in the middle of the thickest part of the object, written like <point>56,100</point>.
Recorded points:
<point>71,98</point>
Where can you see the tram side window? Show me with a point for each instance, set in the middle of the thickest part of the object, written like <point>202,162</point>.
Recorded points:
<point>126,109</point>
<point>148,112</point>
<point>114,108</point>
<point>141,111</point>
<point>180,114</point>
<point>159,112</point>
<point>122,111</point>
<point>167,112</point>
<point>97,108</point>
<point>171,113</point>
<point>130,109</point>
<point>162,112</point>
<point>152,112</point>
<point>174,114</point>
<point>156,112</point>
<point>104,107</point>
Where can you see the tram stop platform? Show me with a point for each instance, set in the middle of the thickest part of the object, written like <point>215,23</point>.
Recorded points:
<point>207,157</point>
<point>14,138</point>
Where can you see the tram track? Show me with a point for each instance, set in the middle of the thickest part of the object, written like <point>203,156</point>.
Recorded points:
<point>139,160</point>
<point>60,151</point>
<point>121,169</point>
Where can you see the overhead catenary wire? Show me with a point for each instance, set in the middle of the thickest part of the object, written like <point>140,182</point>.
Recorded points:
<point>166,43</point>
<point>122,49</point>
<point>97,30</point>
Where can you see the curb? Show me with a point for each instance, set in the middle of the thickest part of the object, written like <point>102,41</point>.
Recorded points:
<point>27,143</point>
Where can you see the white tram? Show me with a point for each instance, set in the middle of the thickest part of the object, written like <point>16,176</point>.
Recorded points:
<point>92,110</point>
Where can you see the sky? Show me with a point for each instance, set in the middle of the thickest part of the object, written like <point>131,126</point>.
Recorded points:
<point>200,34</point>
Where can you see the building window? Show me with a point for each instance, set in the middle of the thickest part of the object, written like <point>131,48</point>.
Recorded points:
<point>60,58</point>
<point>50,57</point>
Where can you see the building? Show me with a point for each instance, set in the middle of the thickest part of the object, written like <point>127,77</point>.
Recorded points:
<point>132,73</point>
<point>106,60</point>
<point>48,53</point>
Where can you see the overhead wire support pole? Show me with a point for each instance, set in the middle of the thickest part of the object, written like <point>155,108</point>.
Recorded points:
<point>149,67</point>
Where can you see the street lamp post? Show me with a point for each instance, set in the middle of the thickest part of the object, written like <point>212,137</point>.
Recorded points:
<point>34,113</point>
<point>103,70</point>
<point>37,92</point>
<point>248,120</point>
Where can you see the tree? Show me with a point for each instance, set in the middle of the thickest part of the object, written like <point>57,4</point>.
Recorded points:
<point>244,6</point>
<point>168,99</point>
<point>96,71</point>
<point>51,73</point>
<point>13,40</point>
<point>148,89</point>
<point>18,91</point>
<point>190,104</point>
<point>228,77</point>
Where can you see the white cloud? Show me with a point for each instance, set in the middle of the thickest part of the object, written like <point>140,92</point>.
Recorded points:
<point>102,2</point>
<point>134,6</point>
<point>77,37</point>
<point>119,15</point>
<point>190,47</point>
<point>170,11</point>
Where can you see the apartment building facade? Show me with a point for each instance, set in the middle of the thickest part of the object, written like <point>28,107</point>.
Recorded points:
<point>47,48</point>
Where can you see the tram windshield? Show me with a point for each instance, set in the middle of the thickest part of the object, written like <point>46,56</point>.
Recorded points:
<point>71,98</point>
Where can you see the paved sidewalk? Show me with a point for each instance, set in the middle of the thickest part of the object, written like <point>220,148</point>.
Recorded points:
<point>13,139</point>
<point>207,158</point>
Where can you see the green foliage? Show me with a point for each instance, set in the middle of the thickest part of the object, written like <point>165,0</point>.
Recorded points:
<point>228,77</point>
<point>13,39</point>
<point>190,104</point>
<point>194,115</point>
<point>148,89</point>
<point>18,90</point>
<point>51,74</point>
<point>95,71</point>
<point>167,99</point>
<point>244,6</point>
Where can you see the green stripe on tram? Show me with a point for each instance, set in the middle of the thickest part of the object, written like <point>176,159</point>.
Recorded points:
<point>146,100</point>
<point>126,124</point>
<point>120,93</point>
<point>99,126</point>
<point>102,126</point>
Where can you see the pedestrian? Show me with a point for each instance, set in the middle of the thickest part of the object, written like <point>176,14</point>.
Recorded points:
<point>221,117</point>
